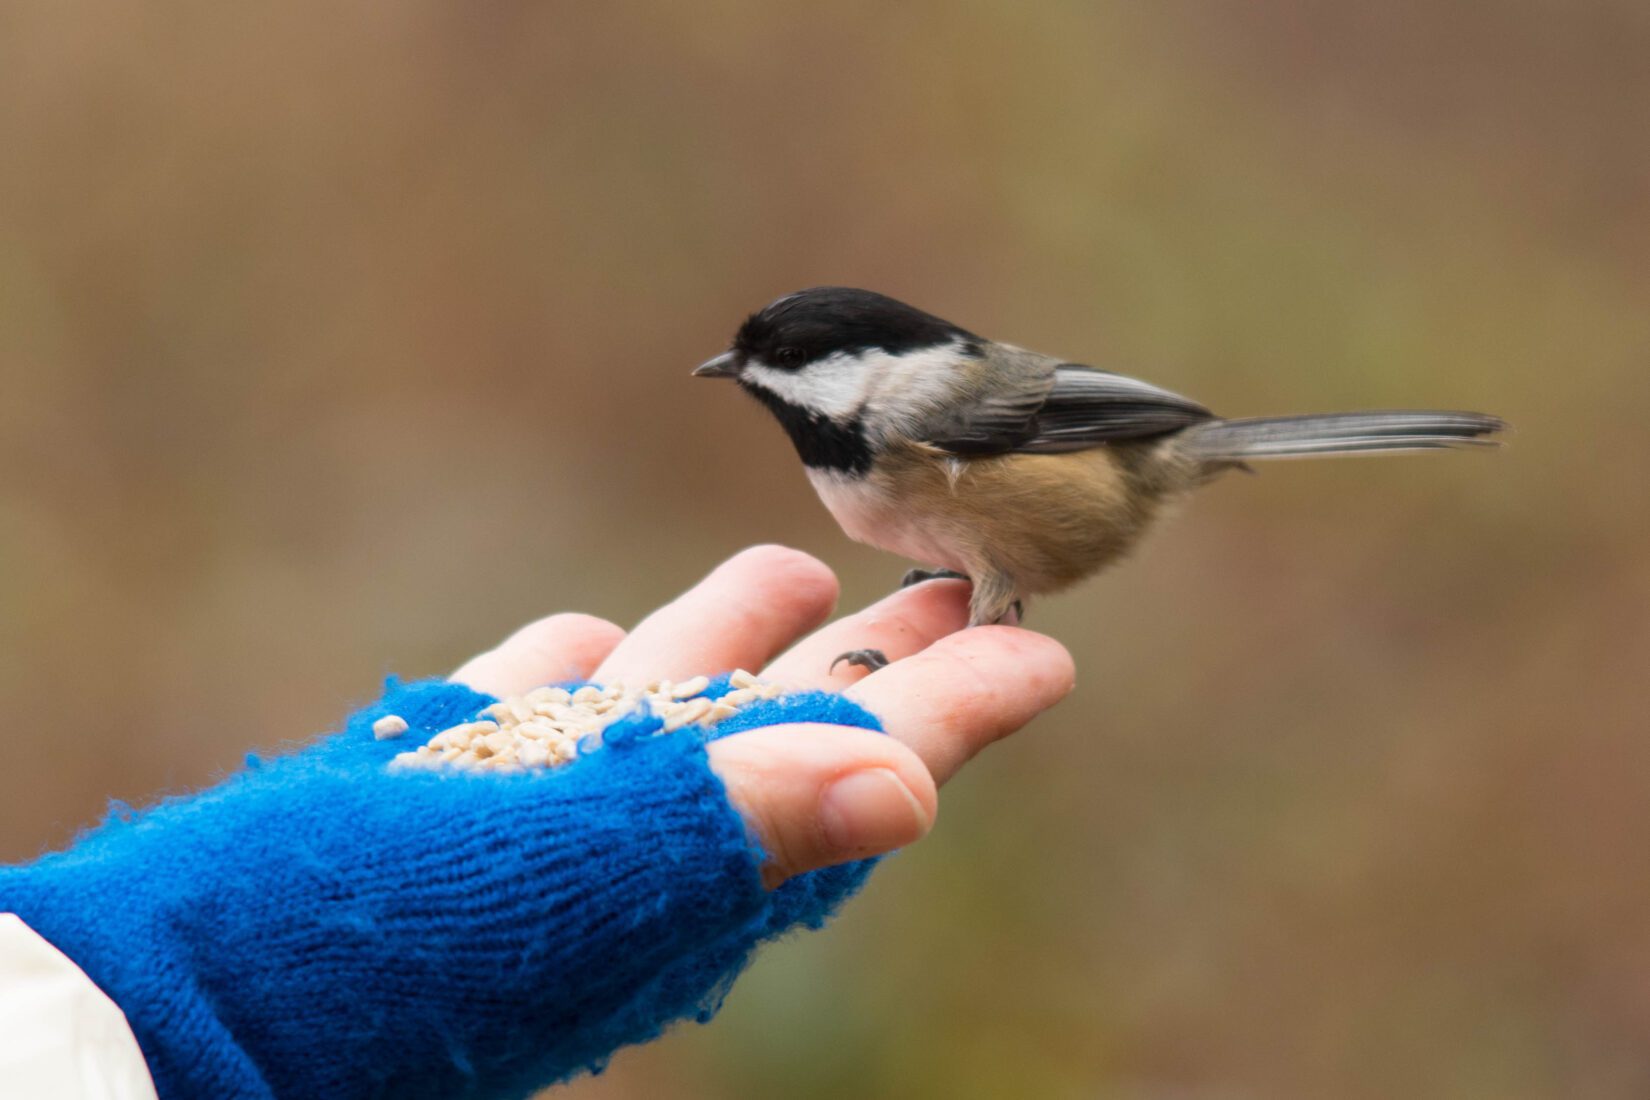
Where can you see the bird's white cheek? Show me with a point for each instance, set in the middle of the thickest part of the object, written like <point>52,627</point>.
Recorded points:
<point>834,387</point>
<point>907,390</point>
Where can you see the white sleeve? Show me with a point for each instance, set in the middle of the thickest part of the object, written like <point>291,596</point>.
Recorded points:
<point>60,1035</point>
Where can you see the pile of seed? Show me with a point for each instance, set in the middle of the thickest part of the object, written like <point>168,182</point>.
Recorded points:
<point>550,726</point>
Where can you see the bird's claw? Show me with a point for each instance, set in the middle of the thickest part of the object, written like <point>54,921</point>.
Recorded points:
<point>868,659</point>
<point>917,576</point>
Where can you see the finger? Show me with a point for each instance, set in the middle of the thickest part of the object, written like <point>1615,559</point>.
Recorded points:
<point>749,608</point>
<point>899,625</point>
<point>819,795</point>
<point>966,691</point>
<point>551,650</point>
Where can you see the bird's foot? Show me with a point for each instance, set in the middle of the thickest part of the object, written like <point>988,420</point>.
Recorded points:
<point>868,659</point>
<point>917,576</point>
<point>1012,615</point>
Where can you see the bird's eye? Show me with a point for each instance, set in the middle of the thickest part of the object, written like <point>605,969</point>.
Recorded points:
<point>788,357</point>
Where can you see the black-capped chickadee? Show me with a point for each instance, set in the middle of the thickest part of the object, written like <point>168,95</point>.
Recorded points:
<point>1020,471</point>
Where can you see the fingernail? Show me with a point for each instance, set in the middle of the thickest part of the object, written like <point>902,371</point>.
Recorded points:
<point>871,811</point>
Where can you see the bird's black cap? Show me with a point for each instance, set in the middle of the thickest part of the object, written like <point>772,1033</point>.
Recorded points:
<point>811,324</point>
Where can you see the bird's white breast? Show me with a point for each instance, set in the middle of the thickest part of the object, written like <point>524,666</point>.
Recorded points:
<point>870,514</point>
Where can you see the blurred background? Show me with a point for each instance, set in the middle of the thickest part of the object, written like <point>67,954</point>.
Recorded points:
<point>340,339</point>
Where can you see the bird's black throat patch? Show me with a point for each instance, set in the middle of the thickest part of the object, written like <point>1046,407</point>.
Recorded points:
<point>820,442</point>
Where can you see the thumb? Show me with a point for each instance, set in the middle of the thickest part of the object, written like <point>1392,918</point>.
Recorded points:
<point>815,795</point>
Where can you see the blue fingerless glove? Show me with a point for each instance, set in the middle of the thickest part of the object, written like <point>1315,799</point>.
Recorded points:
<point>321,926</point>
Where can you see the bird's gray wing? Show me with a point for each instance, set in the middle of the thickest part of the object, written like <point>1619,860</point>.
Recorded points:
<point>1062,407</point>
<point>1087,407</point>
<point>1001,408</point>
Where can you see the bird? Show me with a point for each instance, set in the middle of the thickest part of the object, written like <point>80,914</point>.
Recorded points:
<point>1020,471</point>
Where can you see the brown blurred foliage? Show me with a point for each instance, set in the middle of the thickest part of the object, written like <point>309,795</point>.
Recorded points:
<point>339,339</point>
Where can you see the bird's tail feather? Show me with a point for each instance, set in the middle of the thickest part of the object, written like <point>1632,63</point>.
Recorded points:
<point>1337,434</point>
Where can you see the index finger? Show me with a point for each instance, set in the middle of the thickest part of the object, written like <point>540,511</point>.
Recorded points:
<point>898,625</point>
<point>965,691</point>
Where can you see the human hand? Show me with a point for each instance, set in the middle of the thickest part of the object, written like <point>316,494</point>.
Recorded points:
<point>305,926</point>
<point>814,795</point>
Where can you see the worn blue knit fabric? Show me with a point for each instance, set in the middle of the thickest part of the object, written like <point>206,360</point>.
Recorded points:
<point>320,926</point>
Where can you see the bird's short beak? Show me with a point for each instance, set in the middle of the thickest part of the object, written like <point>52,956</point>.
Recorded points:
<point>725,365</point>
